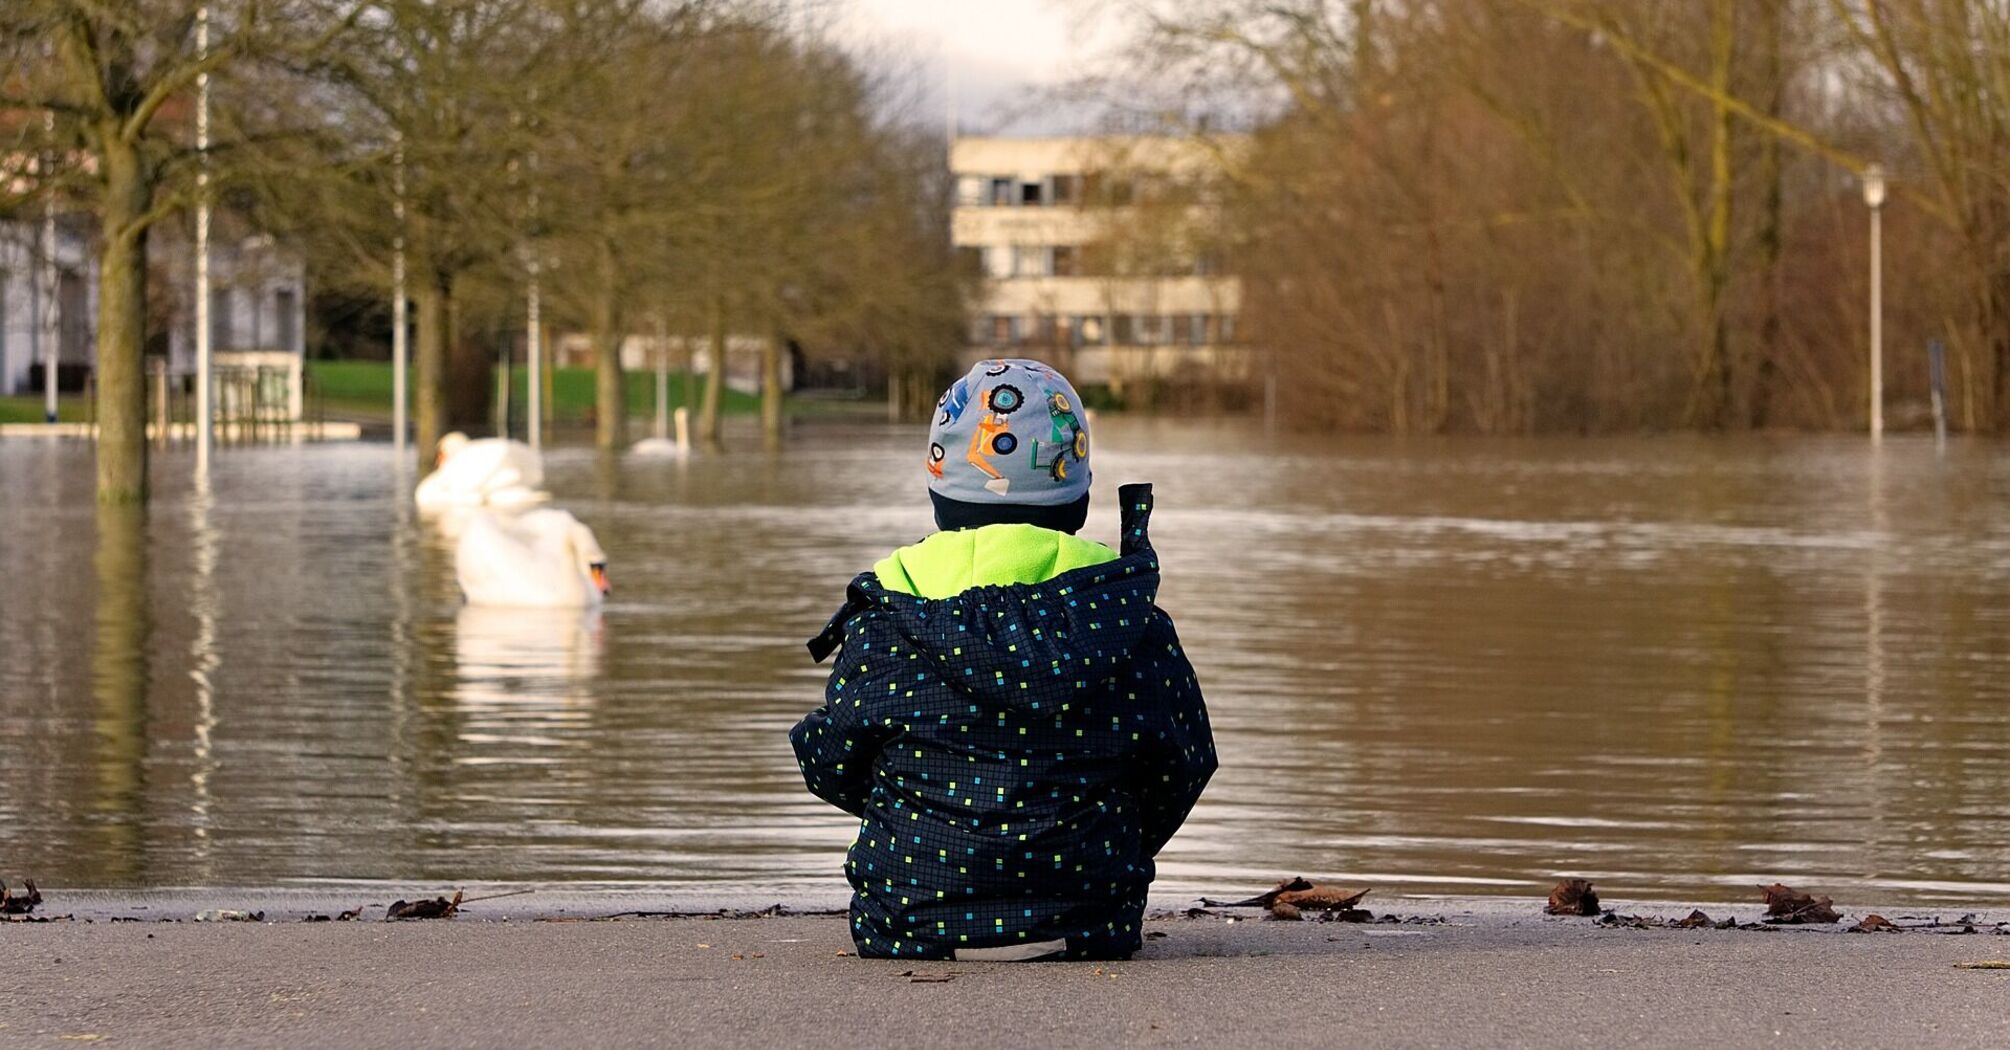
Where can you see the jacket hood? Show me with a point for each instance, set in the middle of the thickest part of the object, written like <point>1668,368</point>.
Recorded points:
<point>1008,644</point>
<point>949,563</point>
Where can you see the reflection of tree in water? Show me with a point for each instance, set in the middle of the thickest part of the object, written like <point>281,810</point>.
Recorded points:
<point>119,688</point>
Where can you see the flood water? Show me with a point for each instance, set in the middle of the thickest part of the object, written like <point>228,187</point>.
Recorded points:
<point>1675,666</point>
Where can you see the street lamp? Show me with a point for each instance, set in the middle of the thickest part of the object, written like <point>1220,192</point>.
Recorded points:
<point>1873,195</point>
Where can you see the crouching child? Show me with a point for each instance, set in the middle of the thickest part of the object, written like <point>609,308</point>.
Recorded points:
<point>1010,715</point>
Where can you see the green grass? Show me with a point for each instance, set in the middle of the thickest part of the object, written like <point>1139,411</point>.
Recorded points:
<point>27,408</point>
<point>363,388</point>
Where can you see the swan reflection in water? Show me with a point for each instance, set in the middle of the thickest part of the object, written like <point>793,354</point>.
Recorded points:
<point>524,682</point>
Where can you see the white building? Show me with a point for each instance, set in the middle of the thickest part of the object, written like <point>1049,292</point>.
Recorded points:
<point>257,315</point>
<point>1094,253</point>
<point>44,306</point>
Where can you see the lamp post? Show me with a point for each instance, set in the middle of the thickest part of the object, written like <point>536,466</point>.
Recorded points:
<point>399,324</point>
<point>204,365</point>
<point>1873,195</point>
<point>42,290</point>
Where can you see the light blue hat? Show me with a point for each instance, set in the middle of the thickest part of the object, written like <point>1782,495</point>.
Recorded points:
<point>1011,432</point>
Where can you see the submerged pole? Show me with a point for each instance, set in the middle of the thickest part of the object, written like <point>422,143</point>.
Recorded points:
<point>1936,371</point>
<point>534,362</point>
<point>662,379</point>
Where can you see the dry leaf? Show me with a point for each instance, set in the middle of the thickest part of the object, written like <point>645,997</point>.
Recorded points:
<point>1984,964</point>
<point>1321,898</point>
<point>1786,905</point>
<point>1287,912</point>
<point>1874,924</point>
<point>1263,900</point>
<point>21,904</point>
<point>437,908</point>
<point>1572,897</point>
<point>1695,920</point>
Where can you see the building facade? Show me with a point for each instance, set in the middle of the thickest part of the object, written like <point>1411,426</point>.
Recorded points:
<point>48,303</point>
<point>1097,253</point>
<point>48,298</point>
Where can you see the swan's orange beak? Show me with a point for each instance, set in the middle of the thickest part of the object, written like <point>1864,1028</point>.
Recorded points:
<point>599,572</point>
<point>439,459</point>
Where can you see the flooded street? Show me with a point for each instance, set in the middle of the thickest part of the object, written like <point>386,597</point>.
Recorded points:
<point>1675,666</point>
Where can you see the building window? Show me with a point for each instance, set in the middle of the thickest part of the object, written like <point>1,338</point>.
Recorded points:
<point>997,261</point>
<point>286,330</point>
<point>1002,191</point>
<point>1183,329</point>
<point>1003,330</point>
<point>73,323</point>
<point>1067,190</point>
<point>220,326</point>
<point>1064,261</point>
<point>1151,329</point>
<point>1046,330</point>
<point>1123,330</point>
<point>1087,330</point>
<point>970,190</point>
<point>1030,195</point>
<point>1029,261</point>
<point>1227,328</point>
<point>980,330</point>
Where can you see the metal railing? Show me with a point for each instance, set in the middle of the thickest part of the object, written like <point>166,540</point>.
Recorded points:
<point>252,405</point>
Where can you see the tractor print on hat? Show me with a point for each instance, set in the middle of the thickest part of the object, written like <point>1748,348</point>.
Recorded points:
<point>1022,436</point>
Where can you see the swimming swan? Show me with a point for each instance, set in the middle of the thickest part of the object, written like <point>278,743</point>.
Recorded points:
<point>543,558</point>
<point>491,472</point>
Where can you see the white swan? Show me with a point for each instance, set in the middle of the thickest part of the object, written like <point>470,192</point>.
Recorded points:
<point>661,446</point>
<point>537,558</point>
<point>491,472</point>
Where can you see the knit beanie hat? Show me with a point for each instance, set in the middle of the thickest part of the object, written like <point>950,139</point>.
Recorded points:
<point>1009,445</point>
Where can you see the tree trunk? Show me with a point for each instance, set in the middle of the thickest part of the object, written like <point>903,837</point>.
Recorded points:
<point>429,385</point>
<point>122,313</point>
<point>1710,398</point>
<point>610,393</point>
<point>771,393</point>
<point>1765,370</point>
<point>715,380</point>
<point>470,374</point>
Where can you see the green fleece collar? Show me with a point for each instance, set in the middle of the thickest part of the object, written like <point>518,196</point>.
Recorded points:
<point>949,563</point>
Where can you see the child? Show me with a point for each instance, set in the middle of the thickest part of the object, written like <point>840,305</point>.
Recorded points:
<point>1010,717</point>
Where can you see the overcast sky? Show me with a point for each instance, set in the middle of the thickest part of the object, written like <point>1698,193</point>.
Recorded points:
<point>997,48</point>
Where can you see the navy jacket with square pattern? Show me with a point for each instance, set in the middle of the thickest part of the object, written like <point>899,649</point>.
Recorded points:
<point>1017,756</point>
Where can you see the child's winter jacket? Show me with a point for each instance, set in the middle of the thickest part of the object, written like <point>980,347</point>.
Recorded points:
<point>1017,755</point>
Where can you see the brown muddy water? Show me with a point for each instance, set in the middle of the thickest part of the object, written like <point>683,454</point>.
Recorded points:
<point>1675,666</point>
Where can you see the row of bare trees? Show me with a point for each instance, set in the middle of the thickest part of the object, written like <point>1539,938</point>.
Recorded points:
<point>1513,216</point>
<point>698,167</point>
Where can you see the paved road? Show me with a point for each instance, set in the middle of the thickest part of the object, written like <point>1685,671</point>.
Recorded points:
<point>1489,977</point>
